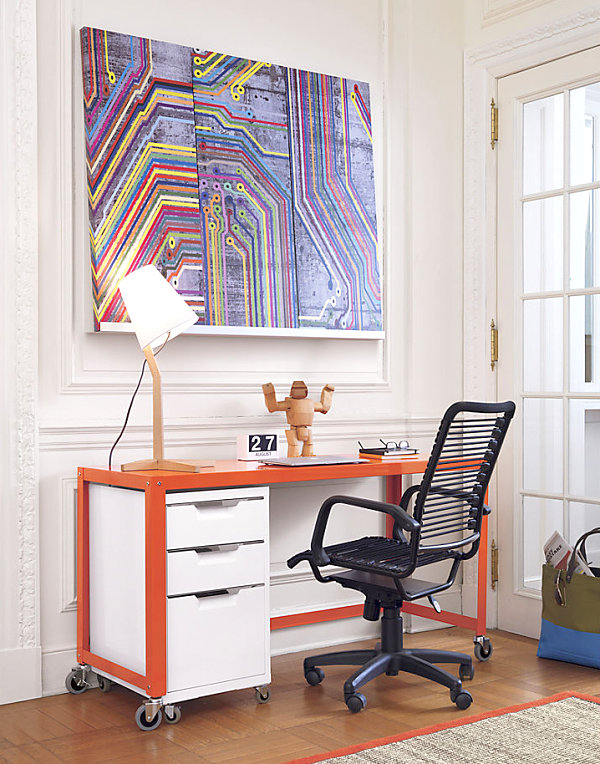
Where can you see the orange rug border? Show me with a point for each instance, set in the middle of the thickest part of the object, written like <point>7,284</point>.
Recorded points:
<point>443,726</point>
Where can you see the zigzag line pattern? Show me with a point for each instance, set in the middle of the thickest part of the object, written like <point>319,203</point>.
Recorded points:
<point>141,165</point>
<point>339,281</point>
<point>244,172</point>
<point>249,185</point>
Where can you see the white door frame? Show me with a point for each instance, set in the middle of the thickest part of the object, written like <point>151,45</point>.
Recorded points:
<point>482,69</point>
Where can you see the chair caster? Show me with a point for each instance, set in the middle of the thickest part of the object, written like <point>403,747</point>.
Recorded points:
<point>466,671</point>
<point>143,723</point>
<point>356,702</point>
<point>314,676</point>
<point>462,699</point>
<point>483,650</point>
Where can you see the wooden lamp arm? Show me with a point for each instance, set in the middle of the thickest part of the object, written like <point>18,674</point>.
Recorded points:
<point>157,417</point>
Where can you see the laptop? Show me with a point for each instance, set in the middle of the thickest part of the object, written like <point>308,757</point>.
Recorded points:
<point>316,461</point>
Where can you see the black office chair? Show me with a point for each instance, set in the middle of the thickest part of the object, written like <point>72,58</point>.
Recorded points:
<point>445,525</point>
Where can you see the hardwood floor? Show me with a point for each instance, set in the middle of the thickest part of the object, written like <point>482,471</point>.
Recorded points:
<point>298,721</point>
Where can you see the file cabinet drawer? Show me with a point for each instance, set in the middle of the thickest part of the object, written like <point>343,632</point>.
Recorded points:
<point>216,639</point>
<point>219,567</point>
<point>217,517</point>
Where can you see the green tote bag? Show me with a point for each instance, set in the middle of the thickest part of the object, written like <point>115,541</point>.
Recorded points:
<point>571,612</point>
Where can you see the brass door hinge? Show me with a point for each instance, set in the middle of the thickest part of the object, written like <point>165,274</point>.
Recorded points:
<point>494,564</point>
<point>493,124</point>
<point>493,344</point>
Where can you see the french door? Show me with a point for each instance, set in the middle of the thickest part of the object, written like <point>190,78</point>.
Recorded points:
<point>548,308</point>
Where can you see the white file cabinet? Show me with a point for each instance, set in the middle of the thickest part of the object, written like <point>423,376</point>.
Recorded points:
<point>191,621</point>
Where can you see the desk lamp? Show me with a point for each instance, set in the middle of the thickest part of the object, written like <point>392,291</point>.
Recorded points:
<point>157,313</point>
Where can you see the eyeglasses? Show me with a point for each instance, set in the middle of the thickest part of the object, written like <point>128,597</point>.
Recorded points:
<point>392,444</point>
<point>560,597</point>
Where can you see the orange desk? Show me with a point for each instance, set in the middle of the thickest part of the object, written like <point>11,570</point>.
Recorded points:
<point>156,483</point>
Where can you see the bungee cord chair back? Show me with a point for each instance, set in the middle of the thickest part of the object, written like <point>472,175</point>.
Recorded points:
<point>443,526</point>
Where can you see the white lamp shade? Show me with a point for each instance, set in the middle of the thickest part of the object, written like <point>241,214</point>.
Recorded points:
<point>155,309</point>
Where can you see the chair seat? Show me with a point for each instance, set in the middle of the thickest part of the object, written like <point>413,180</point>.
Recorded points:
<point>375,585</point>
<point>381,555</point>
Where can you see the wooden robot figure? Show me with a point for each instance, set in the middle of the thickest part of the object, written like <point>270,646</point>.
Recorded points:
<point>300,412</point>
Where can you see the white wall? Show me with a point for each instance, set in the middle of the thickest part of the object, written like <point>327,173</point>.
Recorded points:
<point>411,53</point>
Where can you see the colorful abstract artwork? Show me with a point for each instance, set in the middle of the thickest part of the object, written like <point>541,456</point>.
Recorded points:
<point>249,185</point>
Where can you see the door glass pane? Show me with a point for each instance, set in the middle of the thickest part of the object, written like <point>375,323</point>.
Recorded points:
<point>543,144</point>
<point>542,445</point>
<point>584,243</point>
<point>542,345</point>
<point>582,518</point>
<point>584,347</point>
<point>541,517</point>
<point>585,110</point>
<point>584,448</point>
<point>543,245</point>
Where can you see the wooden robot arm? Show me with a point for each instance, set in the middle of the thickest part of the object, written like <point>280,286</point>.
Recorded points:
<point>271,399</point>
<point>326,399</point>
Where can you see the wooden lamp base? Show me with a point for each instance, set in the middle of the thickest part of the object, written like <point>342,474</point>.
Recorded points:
<point>174,465</point>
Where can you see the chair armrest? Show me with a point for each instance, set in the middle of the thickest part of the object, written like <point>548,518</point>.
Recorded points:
<point>400,516</point>
<point>406,496</point>
<point>308,557</point>
<point>297,558</point>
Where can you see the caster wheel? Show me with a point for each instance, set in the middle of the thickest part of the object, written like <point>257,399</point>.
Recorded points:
<point>462,699</point>
<point>75,683</point>
<point>140,719</point>
<point>466,671</point>
<point>104,684</point>
<point>262,694</point>
<point>314,676</point>
<point>356,702</point>
<point>483,652</point>
<point>172,714</point>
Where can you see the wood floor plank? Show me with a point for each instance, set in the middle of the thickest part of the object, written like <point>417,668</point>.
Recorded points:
<point>36,752</point>
<point>270,748</point>
<point>298,721</point>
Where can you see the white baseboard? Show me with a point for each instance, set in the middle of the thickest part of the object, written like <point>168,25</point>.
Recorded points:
<point>55,667</point>
<point>318,635</point>
<point>21,674</point>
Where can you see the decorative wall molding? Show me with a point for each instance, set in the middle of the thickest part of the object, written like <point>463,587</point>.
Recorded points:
<point>77,437</point>
<point>21,109</point>
<point>75,288</point>
<point>68,544</point>
<point>540,41</point>
<point>191,383</point>
<point>498,10</point>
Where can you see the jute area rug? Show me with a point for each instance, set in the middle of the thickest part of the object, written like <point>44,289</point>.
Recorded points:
<point>562,729</point>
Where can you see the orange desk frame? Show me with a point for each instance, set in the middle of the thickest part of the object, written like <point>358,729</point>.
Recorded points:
<point>156,483</point>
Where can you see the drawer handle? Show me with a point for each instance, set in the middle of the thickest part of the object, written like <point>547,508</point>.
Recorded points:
<point>217,548</point>
<point>232,592</point>
<point>224,503</point>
